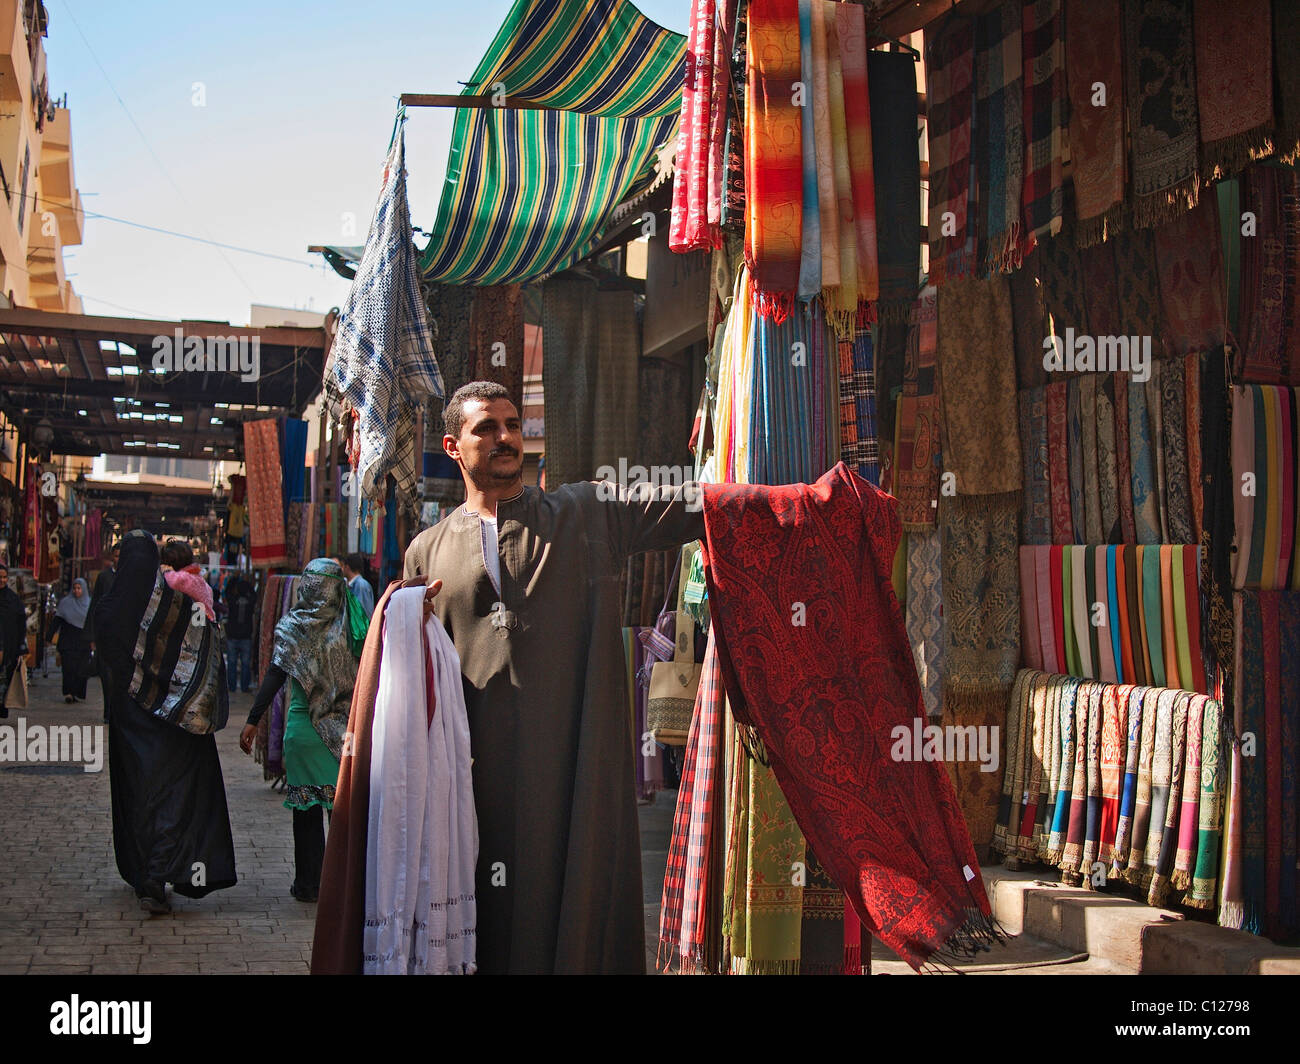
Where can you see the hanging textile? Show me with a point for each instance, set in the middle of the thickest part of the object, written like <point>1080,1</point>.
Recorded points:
<point>1167,619</point>
<point>917,460</point>
<point>1286,31</point>
<point>950,83</point>
<point>695,218</point>
<point>1045,117</point>
<point>1029,316</point>
<point>999,135</point>
<point>383,361</point>
<point>840,300</point>
<point>828,214</point>
<point>528,191</point>
<point>1058,460</point>
<point>1270,195</point>
<point>925,615</point>
<point>265,493</point>
<point>449,315</point>
<point>891,79</point>
<point>590,377</point>
<point>810,258</point>
<point>1190,264</point>
<point>981,447</point>
<point>1037,514</point>
<point>773,161</point>
<point>851,32</point>
<point>1160,90</point>
<point>1234,83</point>
<point>859,449</point>
<point>497,338</point>
<point>421,831</point>
<point>945,903</point>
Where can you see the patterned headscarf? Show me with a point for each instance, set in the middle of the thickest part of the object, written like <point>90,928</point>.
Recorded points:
<point>318,643</point>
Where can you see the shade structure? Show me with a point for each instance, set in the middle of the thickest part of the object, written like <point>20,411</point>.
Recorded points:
<point>528,191</point>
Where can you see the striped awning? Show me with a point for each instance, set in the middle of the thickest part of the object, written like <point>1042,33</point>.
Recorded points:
<point>528,191</point>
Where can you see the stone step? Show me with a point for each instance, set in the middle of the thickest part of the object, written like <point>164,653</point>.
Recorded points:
<point>1137,938</point>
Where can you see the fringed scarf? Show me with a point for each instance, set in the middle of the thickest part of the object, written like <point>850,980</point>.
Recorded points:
<point>1142,467</point>
<point>688,931</point>
<point>1056,840</point>
<point>1161,869</point>
<point>840,300</point>
<point>773,156</point>
<point>1234,83</point>
<point>1044,117</point>
<point>1192,425</point>
<point>891,78</point>
<point>1077,820</point>
<point>916,464</point>
<point>1189,811</point>
<point>1095,56</point>
<point>1134,700</point>
<point>886,830</point>
<point>1173,397</point>
<point>1161,93</point>
<point>1007,824</point>
<point>950,82</point>
<point>925,615</point>
<point>692,225</point>
<point>1209,810</point>
<point>828,208</point>
<point>981,602</point>
<point>1286,73</point>
<point>1190,264</point>
<point>981,447</point>
<point>1142,804</point>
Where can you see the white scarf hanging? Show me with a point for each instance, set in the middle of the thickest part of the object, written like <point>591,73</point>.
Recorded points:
<point>422,833</point>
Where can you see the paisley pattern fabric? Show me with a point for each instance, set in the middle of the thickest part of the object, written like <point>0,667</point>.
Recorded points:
<point>815,658</point>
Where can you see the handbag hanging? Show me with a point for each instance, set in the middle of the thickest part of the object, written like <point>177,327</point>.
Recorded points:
<point>673,686</point>
<point>16,698</point>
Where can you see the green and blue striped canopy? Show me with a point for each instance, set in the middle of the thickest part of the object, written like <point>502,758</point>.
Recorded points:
<point>527,192</point>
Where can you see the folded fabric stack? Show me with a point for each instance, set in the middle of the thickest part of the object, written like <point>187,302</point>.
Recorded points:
<point>1114,781</point>
<point>1122,614</point>
<point>1266,479</point>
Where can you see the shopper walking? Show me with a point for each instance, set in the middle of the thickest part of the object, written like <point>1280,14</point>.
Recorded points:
<point>241,602</point>
<point>13,635</point>
<point>170,821</point>
<point>69,625</point>
<point>354,571</point>
<point>317,648</point>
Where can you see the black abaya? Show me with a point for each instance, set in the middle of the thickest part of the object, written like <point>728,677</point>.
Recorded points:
<point>13,629</point>
<point>74,651</point>
<point>170,821</point>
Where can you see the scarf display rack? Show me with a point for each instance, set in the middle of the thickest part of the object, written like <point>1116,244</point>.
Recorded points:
<point>1088,419</point>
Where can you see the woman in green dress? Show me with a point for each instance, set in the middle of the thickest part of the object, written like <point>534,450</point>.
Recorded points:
<point>317,647</point>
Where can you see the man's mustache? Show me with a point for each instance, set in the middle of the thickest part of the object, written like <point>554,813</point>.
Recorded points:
<point>508,450</point>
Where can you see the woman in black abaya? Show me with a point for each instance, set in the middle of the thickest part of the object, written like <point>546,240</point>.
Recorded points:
<point>170,822</point>
<point>74,648</point>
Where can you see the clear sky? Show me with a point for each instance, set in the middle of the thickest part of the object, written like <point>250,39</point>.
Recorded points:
<point>298,102</point>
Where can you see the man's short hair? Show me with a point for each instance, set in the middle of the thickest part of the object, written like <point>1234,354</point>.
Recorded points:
<point>356,562</point>
<point>453,415</point>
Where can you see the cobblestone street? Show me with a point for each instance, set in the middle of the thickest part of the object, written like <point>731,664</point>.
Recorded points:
<point>67,911</point>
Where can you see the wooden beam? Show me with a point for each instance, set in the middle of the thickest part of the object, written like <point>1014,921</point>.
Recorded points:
<point>24,321</point>
<point>481,102</point>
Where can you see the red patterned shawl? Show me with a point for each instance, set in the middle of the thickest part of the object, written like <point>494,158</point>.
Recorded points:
<point>773,156</point>
<point>1234,82</point>
<point>1094,48</point>
<point>815,657</point>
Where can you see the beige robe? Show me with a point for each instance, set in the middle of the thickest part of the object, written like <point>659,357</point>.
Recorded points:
<point>559,869</point>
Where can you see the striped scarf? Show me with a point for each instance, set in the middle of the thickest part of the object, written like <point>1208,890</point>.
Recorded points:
<point>950,81</point>
<point>1044,116</point>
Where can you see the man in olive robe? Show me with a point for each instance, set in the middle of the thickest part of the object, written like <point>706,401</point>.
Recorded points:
<point>527,586</point>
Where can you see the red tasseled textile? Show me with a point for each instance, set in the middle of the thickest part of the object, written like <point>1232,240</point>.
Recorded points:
<point>815,659</point>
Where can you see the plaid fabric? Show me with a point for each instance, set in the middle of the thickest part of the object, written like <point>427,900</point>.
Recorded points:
<point>998,136</point>
<point>1045,116</point>
<point>384,366</point>
<point>859,448</point>
<point>691,878</point>
<point>949,57</point>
